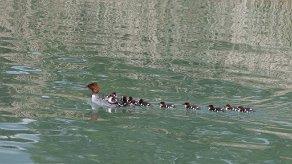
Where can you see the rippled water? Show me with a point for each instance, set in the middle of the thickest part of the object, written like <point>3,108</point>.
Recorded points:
<point>203,51</point>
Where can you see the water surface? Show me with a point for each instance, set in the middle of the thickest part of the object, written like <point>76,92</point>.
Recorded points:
<point>203,52</point>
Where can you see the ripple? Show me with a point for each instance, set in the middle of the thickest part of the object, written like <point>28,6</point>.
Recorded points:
<point>15,140</point>
<point>26,68</point>
<point>284,98</point>
<point>265,141</point>
<point>64,84</point>
<point>18,126</point>
<point>29,137</point>
<point>71,60</point>
<point>27,121</point>
<point>12,126</point>
<point>102,75</point>
<point>12,147</point>
<point>3,137</point>
<point>240,145</point>
<point>279,134</point>
<point>36,53</point>
<point>5,50</point>
<point>257,140</point>
<point>46,97</point>
<point>22,70</point>
<point>17,72</point>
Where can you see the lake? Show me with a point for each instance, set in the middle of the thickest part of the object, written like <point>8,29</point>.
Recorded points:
<point>199,51</point>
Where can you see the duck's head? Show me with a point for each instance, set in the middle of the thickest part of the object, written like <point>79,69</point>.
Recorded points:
<point>94,87</point>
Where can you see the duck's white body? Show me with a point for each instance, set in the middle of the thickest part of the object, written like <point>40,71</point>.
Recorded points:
<point>98,102</point>
<point>95,99</point>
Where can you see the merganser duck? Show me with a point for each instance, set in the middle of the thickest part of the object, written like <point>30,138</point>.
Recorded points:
<point>131,101</point>
<point>215,109</point>
<point>123,101</point>
<point>188,106</point>
<point>242,109</point>
<point>141,102</point>
<point>228,107</point>
<point>95,89</point>
<point>163,105</point>
<point>112,98</point>
<point>95,99</point>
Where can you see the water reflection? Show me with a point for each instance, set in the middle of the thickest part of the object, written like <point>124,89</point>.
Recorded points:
<point>198,51</point>
<point>15,138</point>
<point>169,49</point>
<point>150,32</point>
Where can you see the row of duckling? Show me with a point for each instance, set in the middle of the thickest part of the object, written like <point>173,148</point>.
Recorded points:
<point>124,101</point>
<point>129,101</point>
<point>227,107</point>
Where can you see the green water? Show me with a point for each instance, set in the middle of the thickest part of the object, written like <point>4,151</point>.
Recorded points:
<point>200,51</point>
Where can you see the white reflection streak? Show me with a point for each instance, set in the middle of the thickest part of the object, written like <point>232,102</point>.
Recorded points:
<point>279,134</point>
